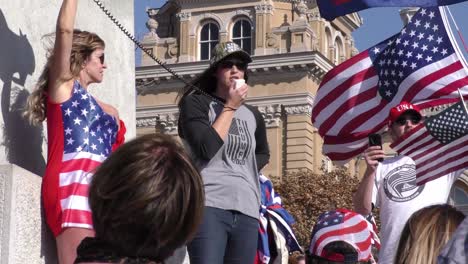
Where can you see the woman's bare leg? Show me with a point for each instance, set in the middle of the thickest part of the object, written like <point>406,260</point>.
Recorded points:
<point>68,241</point>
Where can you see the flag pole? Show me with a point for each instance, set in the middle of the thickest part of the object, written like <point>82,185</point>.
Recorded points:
<point>463,101</point>
<point>458,30</point>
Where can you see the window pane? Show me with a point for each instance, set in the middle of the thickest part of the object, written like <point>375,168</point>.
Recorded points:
<point>246,28</point>
<point>204,52</point>
<point>214,31</point>
<point>247,43</point>
<point>213,44</point>
<point>236,31</point>
<point>204,32</point>
<point>238,42</point>
<point>460,197</point>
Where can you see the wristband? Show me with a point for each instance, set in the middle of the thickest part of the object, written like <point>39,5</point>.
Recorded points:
<point>230,108</point>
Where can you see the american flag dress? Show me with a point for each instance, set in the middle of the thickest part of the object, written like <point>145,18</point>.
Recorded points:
<point>80,137</point>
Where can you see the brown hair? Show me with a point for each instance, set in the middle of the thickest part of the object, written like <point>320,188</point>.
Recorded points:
<point>426,232</point>
<point>206,82</point>
<point>147,198</point>
<point>84,43</point>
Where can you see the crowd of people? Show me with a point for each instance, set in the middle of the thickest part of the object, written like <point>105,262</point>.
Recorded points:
<point>109,202</point>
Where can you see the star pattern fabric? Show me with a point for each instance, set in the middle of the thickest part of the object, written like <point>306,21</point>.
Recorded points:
<point>439,145</point>
<point>420,65</point>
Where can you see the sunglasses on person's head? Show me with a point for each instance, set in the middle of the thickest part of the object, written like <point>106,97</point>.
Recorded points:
<point>402,120</point>
<point>229,63</point>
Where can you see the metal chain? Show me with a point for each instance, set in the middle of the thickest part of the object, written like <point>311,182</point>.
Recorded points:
<point>150,54</point>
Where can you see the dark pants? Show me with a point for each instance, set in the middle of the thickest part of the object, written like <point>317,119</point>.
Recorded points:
<point>224,237</point>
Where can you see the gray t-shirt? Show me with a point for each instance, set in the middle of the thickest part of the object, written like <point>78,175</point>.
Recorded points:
<point>229,166</point>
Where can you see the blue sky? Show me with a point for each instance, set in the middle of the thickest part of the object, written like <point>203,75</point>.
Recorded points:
<point>379,23</point>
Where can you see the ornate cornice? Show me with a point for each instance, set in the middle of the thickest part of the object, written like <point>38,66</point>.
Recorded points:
<point>184,16</point>
<point>264,9</point>
<point>311,61</point>
<point>271,114</point>
<point>165,121</point>
<point>299,109</point>
<point>272,108</point>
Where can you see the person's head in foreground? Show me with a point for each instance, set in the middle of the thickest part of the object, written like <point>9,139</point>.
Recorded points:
<point>402,118</point>
<point>300,260</point>
<point>341,236</point>
<point>426,233</point>
<point>147,200</point>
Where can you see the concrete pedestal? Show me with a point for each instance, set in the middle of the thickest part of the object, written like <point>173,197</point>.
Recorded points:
<point>24,236</point>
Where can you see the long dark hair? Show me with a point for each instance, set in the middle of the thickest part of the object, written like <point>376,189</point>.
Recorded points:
<point>205,82</point>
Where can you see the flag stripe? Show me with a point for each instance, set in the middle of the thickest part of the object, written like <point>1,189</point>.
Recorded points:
<point>76,202</point>
<point>82,155</point>
<point>77,218</point>
<point>434,175</point>
<point>347,68</point>
<point>74,177</point>
<point>447,154</point>
<point>75,188</point>
<point>85,165</point>
<point>363,80</point>
<point>357,99</point>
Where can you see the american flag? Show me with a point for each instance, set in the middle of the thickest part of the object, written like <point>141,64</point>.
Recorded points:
<point>335,8</point>
<point>419,65</point>
<point>89,134</point>
<point>439,145</point>
<point>271,209</point>
<point>347,226</point>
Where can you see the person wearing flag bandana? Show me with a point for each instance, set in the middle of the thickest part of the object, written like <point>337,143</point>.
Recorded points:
<point>391,184</point>
<point>227,139</point>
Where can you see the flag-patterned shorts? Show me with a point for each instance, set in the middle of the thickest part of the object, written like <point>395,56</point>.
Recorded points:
<point>65,194</point>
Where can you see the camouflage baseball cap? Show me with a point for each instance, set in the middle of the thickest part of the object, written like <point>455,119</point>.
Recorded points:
<point>222,50</point>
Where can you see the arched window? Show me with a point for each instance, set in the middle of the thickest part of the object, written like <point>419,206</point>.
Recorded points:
<point>459,194</point>
<point>209,37</point>
<point>327,43</point>
<point>339,50</point>
<point>242,35</point>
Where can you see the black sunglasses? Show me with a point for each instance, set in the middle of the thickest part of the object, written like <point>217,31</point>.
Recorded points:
<point>401,121</point>
<point>227,64</point>
<point>101,58</point>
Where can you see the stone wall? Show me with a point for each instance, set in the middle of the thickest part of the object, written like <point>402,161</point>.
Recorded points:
<point>22,57</point>
<point>24,237</point>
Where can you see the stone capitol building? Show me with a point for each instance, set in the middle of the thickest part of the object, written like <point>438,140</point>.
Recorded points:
<point>292,48</point>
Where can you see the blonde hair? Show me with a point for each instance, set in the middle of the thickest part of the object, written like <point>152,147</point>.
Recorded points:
<point>84,43</point>
<point>426,233</point>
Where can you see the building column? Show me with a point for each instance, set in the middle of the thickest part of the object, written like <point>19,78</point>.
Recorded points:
<point>264,14</point>
<point>184,45</point>
<point>299,139</point>
<point>272,114</point>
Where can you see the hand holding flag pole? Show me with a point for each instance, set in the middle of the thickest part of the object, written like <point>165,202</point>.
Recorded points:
<point>438,146</point>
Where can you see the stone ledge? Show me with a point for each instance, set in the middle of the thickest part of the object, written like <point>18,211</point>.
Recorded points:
<point>24,235</point>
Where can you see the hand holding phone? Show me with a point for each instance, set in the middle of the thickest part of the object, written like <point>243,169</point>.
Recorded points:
<point>375,140</point>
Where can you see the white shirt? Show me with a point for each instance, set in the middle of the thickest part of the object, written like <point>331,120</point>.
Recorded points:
<point>398,197</point>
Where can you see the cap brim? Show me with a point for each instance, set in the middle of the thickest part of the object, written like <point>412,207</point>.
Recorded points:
<point>237,54</point>
<point>407,111</point>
